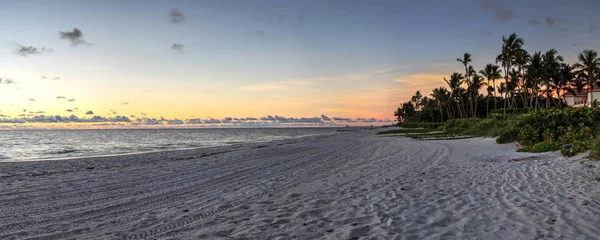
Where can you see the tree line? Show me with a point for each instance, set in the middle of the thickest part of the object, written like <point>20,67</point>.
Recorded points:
<point>527,82</point>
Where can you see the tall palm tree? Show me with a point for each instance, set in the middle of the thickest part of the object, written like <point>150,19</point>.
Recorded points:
<point>476,84</point>
<point>456,79</point>
<point>589,68</point>
<point>522,58</point>
<point>510,47</point>
<point>563,78</point>
<point>534,74</point>
<point>492,72</point>
<point>441,95</point>
<point>465,61</point>
<point>513,83</point>
<point>551,65</point>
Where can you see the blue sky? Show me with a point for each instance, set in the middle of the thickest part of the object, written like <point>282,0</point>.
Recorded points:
<point>256,58</point>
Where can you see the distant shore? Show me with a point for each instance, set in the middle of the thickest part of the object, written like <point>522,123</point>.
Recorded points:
<point>341,186</point>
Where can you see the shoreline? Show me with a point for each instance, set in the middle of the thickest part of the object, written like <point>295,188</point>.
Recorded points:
<point>154,151</point>
<point>339,186</point>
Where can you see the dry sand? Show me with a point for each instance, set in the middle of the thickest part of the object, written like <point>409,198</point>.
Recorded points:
<point>345,186</point>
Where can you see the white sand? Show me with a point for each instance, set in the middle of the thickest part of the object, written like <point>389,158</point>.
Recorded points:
<point>344,186</point>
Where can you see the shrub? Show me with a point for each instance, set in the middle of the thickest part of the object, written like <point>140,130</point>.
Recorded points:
<point>541,147</point>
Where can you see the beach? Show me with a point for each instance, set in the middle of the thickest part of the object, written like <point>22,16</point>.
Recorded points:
<point>349,185</point>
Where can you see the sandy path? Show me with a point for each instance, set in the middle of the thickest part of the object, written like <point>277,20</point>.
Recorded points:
<point>349,185</point>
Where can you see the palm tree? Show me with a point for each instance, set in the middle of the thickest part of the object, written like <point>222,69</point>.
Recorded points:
<point>510,47</point>
<point>563,78</point>
<point>476,84</point>
<point>465,61</point>
<point>456,79</point>
<point>589,68</point>
<point>513,83</point>
<point>491,72</point>
<point>534,73</point>
<point>551,63</point>
<point>441,95</point>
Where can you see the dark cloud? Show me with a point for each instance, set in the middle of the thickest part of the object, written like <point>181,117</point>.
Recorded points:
<point>176,16</point>
<point>300,19</point>
<point>499,13</point>
<point>75,37</point>
<point>71,100</point>
<point>7,81</point>
<point>89,112</point>
<point>30,50</point>
<point>325,118</point>
<point>69,110</point>
<point>549,21</point>
<point>534,21</point>
<point>60,97</point>
<point>178,48</point>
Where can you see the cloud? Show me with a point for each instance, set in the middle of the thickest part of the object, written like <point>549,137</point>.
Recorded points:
<point>534,21</point>
<point>300,19</point>
<point>38,112</point>
<point>60,97</point>
<point>30,50</point>
<point>69,110</point>
<point>549,21</point>
<point>125,103</point>
<point>178,48</point>
<point>592,29</point>
<point>71,100</point>
<point>499,13</point>
<point>282,17</point>
<point>274,85</point>
<point>7,81</point>
<point>89,112</point>
<point>43,77</point>
<point>55,78</point>
<point>325,118</point>
<point>75,37</point>
<point>257,33</point>
<point>32,100</point>
<point>175,16</point>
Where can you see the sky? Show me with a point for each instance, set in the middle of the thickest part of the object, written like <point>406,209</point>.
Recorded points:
<point>354,61</point>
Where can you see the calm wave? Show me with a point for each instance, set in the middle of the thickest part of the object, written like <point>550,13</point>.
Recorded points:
<point>56,144</point>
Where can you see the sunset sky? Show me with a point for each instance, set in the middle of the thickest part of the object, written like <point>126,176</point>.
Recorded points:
<point>250,58</point>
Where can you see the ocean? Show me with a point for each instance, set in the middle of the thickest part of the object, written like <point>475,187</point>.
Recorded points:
<point>26,145</point>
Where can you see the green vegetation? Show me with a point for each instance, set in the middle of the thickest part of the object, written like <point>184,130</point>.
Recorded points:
<point>527,106</point>
<point>405,131</point>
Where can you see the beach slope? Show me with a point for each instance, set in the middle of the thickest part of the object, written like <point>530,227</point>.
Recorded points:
<point>342,186</point>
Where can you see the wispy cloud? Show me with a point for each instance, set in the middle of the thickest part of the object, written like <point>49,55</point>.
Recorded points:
<point>7,81</point>
<point>533,21</point>
<point>32,100</point>
<point>275,85</point>
<point>71,100</point>
<point>60,97</point>
<point>25,51</point>
<point>300,19</point>
<point>499,13</point>
<point>178,48</point>
<point>257,33</point>
<point>75,37</point>
<point>549,21</point>
<point>175,16</point>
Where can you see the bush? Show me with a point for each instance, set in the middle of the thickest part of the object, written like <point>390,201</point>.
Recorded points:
<point>429,125</point>
<point>595,146</point>
<point>541,147</point>
<point>507,136</point>
<point>510,111</point>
